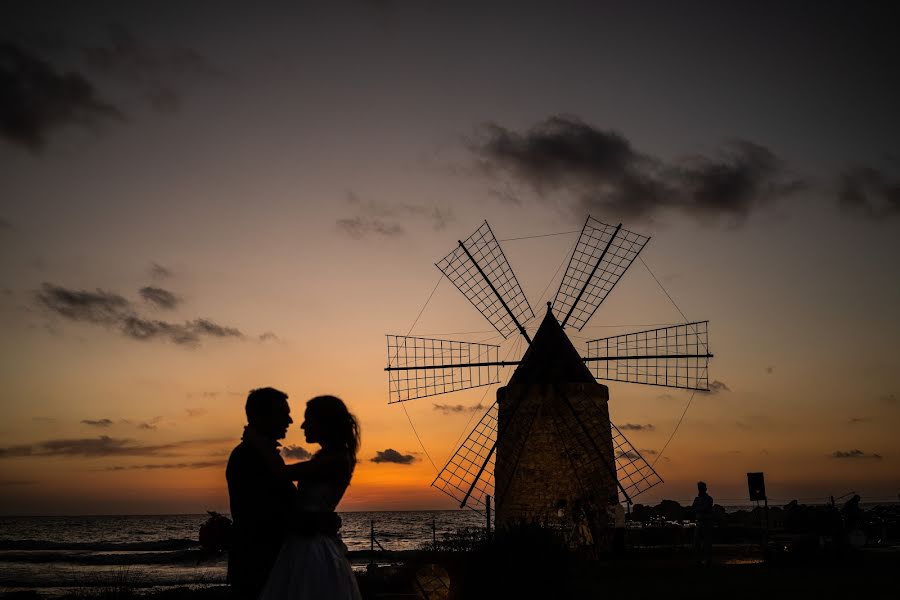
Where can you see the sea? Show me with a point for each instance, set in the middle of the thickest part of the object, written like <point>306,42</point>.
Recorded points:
<point>55,556</point>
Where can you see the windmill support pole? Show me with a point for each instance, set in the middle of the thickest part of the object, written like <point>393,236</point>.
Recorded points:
<point>496,293</point>
<point>496,363</point>
<point>587,434</point>
<point>510,363</point>
<point>478,476</point>
<point>640,356</point>
<point>587,282</point>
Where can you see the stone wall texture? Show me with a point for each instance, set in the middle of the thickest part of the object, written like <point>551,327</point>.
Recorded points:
<point>551,467</point>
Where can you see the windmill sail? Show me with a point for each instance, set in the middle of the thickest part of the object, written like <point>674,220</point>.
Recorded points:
<point>479,269</point>
<point>676,356</point>
<point>635,474</point>
<point>420,367</point>
<point>602,255</point>
<point>469,474</point>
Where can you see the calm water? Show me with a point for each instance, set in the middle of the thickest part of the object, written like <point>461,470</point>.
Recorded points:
<point>55,554</point>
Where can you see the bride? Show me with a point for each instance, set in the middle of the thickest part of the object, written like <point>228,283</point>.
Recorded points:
<point>315,567</point>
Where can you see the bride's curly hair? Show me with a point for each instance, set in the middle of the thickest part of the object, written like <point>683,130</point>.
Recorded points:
<point>334,416</point>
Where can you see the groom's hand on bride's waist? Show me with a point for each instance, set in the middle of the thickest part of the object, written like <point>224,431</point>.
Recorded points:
<point>311,523</point>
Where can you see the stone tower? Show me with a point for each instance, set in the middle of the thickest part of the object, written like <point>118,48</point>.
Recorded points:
<point>555,463</point>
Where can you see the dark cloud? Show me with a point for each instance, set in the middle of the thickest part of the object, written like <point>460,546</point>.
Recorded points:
<point>666,397</point>
<point>858,420</point>
<point>114,311</point>
<point>16,482</point>
<point>636,427</point>
<point>869,193</point>
<point>159,297</point>
<point>195,412</point>
<point>268,336</point>
<point>628,454</point>
<point>386,219</point>
<point>207,327</point>
<point>159,272</point>
<point>89,447</point>
<point>191,465</point>
<point>44,419</point>
<point>97,422</point>
<point>457,408</point>
<point>600,171</point>
<point>152,71</point>
<point>743,177</point>
<point>717,386</point>
<point>149,424</point>
<point>648,452</point>
<point>360,227</point>
<point>99,307</point>
<point>295,452</point>
<point>890,399</point>
<point>392,456</point>
<point>855,454</point>
<point>39,98</point>
<point>770,370</point>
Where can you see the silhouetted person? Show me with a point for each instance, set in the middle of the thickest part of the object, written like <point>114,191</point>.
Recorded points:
<point>315,567</point>
<point>703,515</point>
<point>263,504</point>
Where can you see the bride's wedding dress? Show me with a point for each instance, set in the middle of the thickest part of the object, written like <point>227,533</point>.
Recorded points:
<point>313,567</point>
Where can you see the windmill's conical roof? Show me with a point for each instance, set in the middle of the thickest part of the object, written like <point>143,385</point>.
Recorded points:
<point>551,358</point>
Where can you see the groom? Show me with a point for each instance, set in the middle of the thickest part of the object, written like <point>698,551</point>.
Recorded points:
<point>262,503</point>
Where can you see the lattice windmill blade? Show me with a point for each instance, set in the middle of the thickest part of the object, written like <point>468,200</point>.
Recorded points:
<point>602,255</point>
<point>635,474</point>
<point>479,269</point>
<point>676,356</point>
<point>469,474</point>
<point>420,367</point>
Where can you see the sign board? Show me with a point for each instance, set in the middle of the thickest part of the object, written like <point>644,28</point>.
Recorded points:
<point>757,485</point>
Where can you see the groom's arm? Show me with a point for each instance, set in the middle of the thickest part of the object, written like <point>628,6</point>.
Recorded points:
<point>311,523</point>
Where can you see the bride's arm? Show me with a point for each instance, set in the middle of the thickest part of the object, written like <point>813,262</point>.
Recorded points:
<point>318,467</point>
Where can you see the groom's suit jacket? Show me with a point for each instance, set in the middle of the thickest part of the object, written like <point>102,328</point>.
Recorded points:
<point>261,509</point>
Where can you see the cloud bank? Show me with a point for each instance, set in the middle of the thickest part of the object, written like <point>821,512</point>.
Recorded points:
<point>869,193</point>
<point>386,220</point>
<point>457,408</point>
<point>39,98</point>
<point>392,456</point>
<point>600,171</point>
<point>295,452</point>
<point>90,448</point>
<point>113,311</point>
<point>855,453</point>
<point>636,427</point>
<point>159,297</point>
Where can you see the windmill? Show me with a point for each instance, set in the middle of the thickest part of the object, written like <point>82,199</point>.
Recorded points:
<point>546,448</point>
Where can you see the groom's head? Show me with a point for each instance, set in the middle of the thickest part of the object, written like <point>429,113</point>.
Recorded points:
<point>268,412</point>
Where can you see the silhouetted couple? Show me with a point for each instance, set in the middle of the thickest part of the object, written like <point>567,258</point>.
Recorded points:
<point>285,543</point>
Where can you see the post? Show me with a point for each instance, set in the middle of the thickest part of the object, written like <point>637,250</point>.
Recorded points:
<point>487,506</point>
<point>766,533</point>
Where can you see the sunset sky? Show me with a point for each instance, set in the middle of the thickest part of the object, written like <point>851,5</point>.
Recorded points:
<point>200,199</point>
